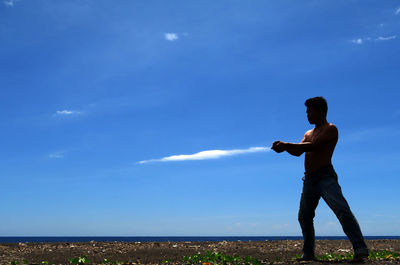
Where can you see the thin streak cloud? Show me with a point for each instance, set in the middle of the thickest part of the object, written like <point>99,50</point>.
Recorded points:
<point>66,112</point>
<point>361,41</point>
<point>208,154</point>
<point>386,38</point>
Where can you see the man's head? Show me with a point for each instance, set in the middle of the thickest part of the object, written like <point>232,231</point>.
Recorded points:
<point>317,108</point>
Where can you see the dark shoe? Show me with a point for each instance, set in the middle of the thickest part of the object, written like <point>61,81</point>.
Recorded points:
<point>360,258</point>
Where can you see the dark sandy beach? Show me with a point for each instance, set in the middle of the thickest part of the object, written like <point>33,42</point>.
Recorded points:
<point>278,252</point>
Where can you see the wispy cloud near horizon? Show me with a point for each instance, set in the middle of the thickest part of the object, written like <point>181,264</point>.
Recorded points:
<point>208,154</point>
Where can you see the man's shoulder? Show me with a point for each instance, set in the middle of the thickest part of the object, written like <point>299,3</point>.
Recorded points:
<point>332,127</point>
<point>332,131</point>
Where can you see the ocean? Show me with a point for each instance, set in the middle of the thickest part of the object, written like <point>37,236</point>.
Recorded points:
<point>60,239</point>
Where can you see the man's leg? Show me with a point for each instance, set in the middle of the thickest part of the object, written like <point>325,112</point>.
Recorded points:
<point>332,194</point>
<point>308,204</point>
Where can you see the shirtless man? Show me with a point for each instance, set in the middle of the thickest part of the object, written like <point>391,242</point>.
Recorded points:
<point>320,180</point>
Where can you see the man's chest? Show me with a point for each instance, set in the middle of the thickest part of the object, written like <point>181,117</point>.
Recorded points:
<point>314,135</point>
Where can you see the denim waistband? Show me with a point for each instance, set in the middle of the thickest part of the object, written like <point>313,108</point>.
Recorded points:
<point>320,172</point>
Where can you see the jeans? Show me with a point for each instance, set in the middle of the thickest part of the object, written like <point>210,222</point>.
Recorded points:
<point>324,183</point>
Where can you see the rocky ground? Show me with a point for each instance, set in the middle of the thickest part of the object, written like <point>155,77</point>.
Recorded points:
<point>278,252</point>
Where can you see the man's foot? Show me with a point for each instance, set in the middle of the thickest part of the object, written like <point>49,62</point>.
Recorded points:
<point>360,258</point>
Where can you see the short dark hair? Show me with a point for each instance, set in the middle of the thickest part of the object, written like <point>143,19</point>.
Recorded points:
<point>318,103</point>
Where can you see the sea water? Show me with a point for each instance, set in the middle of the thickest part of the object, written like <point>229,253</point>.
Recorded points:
<point>55,239</point>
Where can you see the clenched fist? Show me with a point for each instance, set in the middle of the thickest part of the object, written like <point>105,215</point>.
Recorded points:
<point>278,146</point>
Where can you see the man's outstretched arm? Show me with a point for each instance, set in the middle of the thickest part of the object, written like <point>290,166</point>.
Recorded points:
<point>294,151</point>
<point>300,148</point>
<point>331,134</point>
<point>279,146</point>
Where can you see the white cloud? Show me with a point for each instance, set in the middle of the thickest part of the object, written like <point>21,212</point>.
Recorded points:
<point>9,3</point>
<point>386,38</point>
<point>171,36</point>
<point>397,11</point>
<point>66,112</point>
<point>357,41</point>
<point>209,154</point>
<point>360,41</point>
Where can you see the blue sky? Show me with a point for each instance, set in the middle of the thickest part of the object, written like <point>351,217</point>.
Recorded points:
<point>91,87</point>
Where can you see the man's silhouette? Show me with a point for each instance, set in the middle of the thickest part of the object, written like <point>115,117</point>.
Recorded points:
<point>320,180</point>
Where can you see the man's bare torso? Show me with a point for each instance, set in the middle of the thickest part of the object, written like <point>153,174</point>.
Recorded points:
<point>327,135</point>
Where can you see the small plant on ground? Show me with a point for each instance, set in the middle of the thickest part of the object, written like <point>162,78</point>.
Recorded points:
<point>384,255</point>
<point>335,257</point>
<point>373,255</point>
<point>79,260</point>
